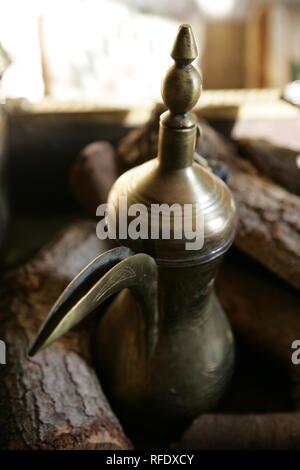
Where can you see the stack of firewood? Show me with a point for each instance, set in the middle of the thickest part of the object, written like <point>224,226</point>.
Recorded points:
<point>55,399</point>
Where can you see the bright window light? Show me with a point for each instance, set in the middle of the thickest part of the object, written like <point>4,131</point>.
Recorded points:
<point>217,8</point>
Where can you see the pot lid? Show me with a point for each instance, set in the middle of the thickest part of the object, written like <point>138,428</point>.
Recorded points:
<point>172,207</point>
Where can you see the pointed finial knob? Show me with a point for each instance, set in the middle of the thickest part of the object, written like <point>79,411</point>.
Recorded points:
<point>184,48</point>
<point>182,85</point>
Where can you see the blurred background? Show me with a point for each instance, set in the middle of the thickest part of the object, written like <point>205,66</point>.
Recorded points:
<point>76,71</point>
<point>103,50</point>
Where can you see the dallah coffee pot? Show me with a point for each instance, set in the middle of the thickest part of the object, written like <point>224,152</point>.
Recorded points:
<point>163,346</point>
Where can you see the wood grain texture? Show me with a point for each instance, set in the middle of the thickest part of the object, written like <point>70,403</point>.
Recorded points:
<point>53,400</point>
<point>280,164</point>
<point>268,221</point>
<point>268,215</point>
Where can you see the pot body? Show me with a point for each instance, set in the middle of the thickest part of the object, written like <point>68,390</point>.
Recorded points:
<point>191,364</point>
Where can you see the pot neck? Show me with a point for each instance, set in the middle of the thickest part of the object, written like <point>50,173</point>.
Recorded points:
<point>176,147</point>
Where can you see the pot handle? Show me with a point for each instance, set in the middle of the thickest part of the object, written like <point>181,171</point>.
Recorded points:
<point>107,275</point>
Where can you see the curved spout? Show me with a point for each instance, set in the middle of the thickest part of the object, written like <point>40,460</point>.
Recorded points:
<point>84,294</point>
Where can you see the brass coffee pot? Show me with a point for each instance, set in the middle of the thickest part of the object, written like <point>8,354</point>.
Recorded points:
<point>164,349</point>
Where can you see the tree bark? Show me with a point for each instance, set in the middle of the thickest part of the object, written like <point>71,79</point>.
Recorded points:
<point>268,215</point>
<point>53,400</point>
<point>280,164</point>
<point>268,223</point>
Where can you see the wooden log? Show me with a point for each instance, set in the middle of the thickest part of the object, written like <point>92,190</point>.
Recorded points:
<point>280,164</point>
<point>276,431</point>
<point>269,222</point>
<point>268,215</point>
<point>264,313</point>
<point>92,175</point>
<point>53,400</point>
